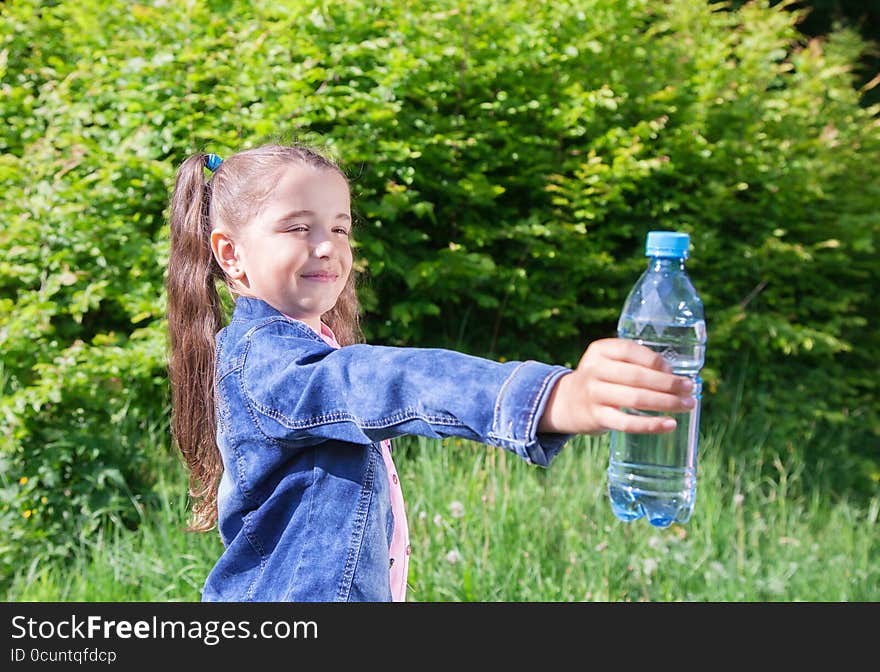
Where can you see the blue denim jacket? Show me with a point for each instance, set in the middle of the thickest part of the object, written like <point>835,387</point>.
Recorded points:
<point>304,506</point>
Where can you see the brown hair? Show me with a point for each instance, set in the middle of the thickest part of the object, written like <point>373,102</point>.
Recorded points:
<point>233,195</point>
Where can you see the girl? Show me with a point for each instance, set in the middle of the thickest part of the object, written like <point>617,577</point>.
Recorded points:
<point>284,416</point>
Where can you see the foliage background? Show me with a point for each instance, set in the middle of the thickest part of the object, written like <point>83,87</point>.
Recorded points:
<point>507,160</point>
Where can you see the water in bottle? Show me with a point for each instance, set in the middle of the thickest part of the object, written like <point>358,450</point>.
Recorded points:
<point>654,475</point>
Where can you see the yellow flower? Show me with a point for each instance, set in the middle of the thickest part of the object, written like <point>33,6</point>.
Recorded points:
<point>22,480</point>
<point>27,514</point>
<point>43,500</point>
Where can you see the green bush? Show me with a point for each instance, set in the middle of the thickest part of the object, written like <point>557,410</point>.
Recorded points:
<point>507,160</point>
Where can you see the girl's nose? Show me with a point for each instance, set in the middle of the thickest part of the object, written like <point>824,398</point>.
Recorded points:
<point>324,249</point>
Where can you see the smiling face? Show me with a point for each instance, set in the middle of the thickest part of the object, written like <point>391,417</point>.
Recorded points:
<point>295,254</point>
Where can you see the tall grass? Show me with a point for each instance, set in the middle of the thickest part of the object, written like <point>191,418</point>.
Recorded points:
<point>486,526</point>
<point>157,562</point>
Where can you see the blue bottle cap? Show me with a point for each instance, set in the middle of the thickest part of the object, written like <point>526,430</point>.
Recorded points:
<point>670,244</point>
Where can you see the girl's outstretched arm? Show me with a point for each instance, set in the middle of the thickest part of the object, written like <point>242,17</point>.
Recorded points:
<point>300,392</point>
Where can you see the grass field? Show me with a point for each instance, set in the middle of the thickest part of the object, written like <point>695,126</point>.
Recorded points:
<point>486,526</point>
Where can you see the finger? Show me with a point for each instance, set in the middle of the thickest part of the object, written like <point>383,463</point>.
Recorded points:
<point>614,418</point>
<point>625,396</point>
<point>635,375</point>
<point>630,351</point>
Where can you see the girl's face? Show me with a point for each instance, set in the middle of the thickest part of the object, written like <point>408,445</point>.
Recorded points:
<point>295,254</point>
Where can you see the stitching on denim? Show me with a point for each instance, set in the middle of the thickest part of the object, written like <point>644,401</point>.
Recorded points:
<point>219,338</point>
<point>360,522</point>
<point>503,442</point>
<point>345,416</point>
<point>235,368</point>
<point>258,547</point>
<point>237,455</point>
<point>309,492</point>
<point>300,328</point>
<point>495,417</point>
<point>262,323</point>
<point>223,413</point>
<point>245,490</point>
<point>535,405</point>
<point>239,462</point>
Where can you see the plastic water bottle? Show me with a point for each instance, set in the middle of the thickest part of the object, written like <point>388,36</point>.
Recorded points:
<point>655,475</point>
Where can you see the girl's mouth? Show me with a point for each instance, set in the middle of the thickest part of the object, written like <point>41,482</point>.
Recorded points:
<point>320,277</point>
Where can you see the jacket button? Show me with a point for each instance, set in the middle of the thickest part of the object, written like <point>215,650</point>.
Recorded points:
<point>394,478</point>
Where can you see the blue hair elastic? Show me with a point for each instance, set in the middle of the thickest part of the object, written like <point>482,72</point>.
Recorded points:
<point>213,162</point>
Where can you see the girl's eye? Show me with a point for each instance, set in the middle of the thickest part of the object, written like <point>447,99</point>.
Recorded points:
<point>344,232</point>
<point>298,227</point>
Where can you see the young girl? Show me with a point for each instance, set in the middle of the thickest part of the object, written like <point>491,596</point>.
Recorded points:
<point>284,416</point>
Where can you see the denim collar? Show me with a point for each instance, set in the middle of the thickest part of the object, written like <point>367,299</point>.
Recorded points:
<point>249,309</point>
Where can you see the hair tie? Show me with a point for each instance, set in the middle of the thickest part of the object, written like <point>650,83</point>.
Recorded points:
<point>213,162</point>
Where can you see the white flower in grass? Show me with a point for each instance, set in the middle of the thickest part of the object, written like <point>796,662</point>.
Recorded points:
<point>659,543</point>
<point>453,556</point>
<point>717,570</point>
<point>776,585</point>
<point>456,509</point>
<point>438,519</point>
<point>649,566</point>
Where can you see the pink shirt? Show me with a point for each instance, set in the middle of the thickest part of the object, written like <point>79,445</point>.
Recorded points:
<point>400,548</point>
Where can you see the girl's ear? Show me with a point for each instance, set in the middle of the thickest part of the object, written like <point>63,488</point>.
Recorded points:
<point>226,255</point>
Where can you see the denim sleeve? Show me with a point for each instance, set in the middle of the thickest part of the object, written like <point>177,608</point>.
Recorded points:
<point>302,392</point>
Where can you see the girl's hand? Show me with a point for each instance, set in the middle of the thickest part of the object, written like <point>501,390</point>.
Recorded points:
<point>615,373</point>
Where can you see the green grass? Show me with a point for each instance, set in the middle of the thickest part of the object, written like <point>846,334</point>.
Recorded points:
<point>486,526</point>
<point>158,562</point>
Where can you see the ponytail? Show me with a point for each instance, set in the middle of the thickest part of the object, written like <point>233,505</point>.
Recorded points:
<point>194,316</point>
